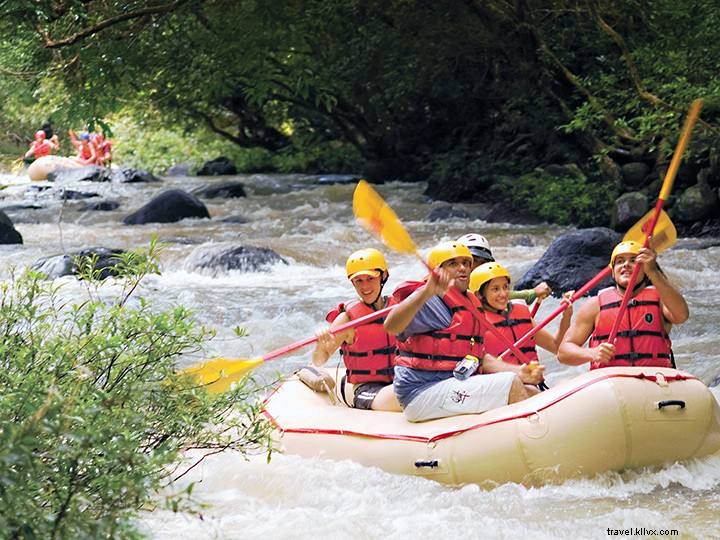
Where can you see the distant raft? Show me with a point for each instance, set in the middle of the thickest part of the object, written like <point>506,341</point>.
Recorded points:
<point>42,166</point>
<point>609,419</point>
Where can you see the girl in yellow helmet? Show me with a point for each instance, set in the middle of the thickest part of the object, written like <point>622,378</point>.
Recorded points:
<point>368,351</point>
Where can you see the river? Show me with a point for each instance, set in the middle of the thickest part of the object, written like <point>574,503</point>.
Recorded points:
<point>312,227</point>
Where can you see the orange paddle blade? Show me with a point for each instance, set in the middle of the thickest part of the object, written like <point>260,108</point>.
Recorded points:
<point>662,236</point>
<point>376,216</point>
<point>219,374</point>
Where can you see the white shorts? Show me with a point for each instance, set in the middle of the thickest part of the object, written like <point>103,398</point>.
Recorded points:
<point>451,397</point>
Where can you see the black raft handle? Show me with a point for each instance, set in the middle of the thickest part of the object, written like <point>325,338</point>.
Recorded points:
<point>431,464</point>
<point>671,403</point>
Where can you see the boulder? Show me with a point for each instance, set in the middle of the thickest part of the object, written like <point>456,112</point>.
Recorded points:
<point>572,260</point>
<point>628,209</point>
<point>65,264</point>
<point>242,258</point>
<point>168,207</point>
<point>136,176</point>
<point>696,204</point>
<point>223,190</point>
<point>89,173</point>
<point>8,233</point>
<point>219,166</point>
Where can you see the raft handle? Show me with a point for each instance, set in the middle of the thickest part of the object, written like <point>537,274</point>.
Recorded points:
<point>671,403</point>
<point>431,464</point>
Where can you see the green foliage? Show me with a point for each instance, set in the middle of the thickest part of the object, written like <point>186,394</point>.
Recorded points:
<point>93,416</point>
<point>565,200</point>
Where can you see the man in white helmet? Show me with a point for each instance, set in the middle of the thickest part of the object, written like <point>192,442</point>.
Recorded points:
<point>480,249</point>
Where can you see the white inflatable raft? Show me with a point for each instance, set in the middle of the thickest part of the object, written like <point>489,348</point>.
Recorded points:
<point>609,419</point>
<point>42,166</point>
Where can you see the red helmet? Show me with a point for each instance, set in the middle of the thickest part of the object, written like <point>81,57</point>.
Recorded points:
<point>40,134</point>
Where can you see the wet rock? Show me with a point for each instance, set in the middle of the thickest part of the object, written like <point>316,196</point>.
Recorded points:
<point>219,166</point>
<point>135,176</point>
<point>628,209</point>
<point>243,258</point>
<point>448,212</point>
<point>223,190</point>
<point>8,233</point>
<point>66,264</point>
<point>89,173</point>
<point>697,203</point>
<point>168,207</point>
<point>101,206</point>
<point>179,169</point>
<point>572,260</point>
<point>339,179</point>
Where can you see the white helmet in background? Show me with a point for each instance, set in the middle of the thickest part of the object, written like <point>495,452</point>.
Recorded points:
<point>478,246</point>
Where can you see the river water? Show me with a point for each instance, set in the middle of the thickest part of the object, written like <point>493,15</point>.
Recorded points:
<point>312,227</point>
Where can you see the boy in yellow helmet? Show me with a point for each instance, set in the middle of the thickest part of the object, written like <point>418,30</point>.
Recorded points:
<point>643,335</point>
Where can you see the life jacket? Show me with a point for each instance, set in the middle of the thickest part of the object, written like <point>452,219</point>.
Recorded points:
<point>441,350</point>
<point>641,338</point>
<point>513,324</point>
<point>43,148</point>
<point>371,355</point>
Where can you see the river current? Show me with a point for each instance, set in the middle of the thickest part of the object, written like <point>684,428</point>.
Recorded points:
<point>312,227</point>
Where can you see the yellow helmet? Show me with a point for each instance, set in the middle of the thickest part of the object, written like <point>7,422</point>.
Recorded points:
<point>365,262</point>
<point>629,246</point>
<point>484,273</point>
<point>445,251</point>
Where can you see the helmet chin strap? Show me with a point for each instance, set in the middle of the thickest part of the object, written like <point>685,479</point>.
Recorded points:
<point>383,280</point>
<point>639,285</point>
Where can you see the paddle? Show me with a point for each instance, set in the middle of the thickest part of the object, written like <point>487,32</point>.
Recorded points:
<point>219,374</point>
<point>664,237</point>
<point>664,193</point>
<point>375,215</point>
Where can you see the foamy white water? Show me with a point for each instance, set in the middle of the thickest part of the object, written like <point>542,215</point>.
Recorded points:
<point>313,229</point>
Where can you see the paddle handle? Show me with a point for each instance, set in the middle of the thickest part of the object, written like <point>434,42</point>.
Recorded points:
<point>605,272</point>
<point>535,308</point>
<point>664,194</point>
<point>307,341</point>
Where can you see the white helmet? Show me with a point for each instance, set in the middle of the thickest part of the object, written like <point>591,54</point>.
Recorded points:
<point>478,245</point>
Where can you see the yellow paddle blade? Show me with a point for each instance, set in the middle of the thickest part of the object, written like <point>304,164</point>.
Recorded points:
<point>219,374</point>
<point>374,214</point>
<point>663,236</point>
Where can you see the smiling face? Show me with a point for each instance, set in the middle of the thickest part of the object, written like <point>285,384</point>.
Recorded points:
<point>459,269</point>
<point>497,293</point>
<point>623,266</point>
<point>367,287</point>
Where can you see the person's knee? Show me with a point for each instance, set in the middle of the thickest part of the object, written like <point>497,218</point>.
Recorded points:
<point>517,391</point>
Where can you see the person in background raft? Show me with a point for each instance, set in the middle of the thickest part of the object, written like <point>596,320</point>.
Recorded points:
<point>438,372</point>
<point>368,351</point>
<point>103,149</point>
<point>491,282</point>
<point>643,337</point>
<point>86,151</point>
<point>41,146</point>
<point>480,249</point>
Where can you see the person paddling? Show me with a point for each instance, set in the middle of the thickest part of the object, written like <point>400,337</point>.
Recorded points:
<point>491,283</point>
<point>643,338</point>
<point>86,151</point>
<point>41,146</point>
<point>442,368</point>
<point>368,351</point>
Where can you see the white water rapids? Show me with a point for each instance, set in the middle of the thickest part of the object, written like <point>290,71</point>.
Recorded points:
<point>312,227</point>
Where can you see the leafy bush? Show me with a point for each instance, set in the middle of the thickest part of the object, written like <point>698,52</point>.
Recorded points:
<point>93,415</point>
<point>565,200</point>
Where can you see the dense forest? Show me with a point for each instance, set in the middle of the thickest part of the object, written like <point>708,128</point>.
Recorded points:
<point>555,105</point>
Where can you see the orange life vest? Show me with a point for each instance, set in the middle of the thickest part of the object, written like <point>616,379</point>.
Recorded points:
<point>641,338</point>
<point>441,350</point>
<point>371,355</point>
<point>513,324</point>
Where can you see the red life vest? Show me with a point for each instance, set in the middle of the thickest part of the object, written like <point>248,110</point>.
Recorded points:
<point>441,350</point>
<point>641,338</point>
<point>371,355</point>
<point>514,324</point>
<point>42,149</point>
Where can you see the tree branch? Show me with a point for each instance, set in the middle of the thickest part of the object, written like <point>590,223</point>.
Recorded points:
<point>107,23</point>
